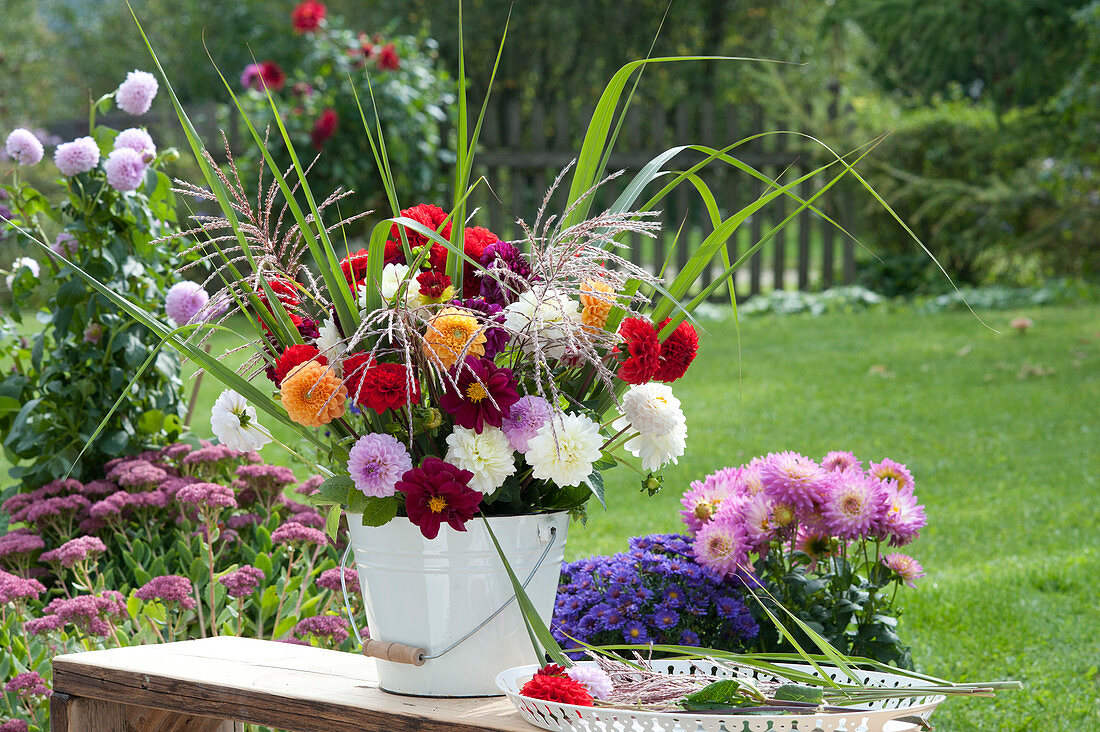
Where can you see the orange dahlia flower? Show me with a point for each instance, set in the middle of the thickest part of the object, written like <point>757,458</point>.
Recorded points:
<point>596,306</point>
<point>453,333</point>
<point>313,395</point>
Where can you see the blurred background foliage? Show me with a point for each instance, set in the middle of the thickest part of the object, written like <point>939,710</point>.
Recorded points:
<point>992,106</point>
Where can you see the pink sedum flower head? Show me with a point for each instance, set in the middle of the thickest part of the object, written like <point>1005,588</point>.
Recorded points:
<point>323,627</point>
<point>792,478</point>
<point>722,545</point>
<point>294,533</point>
<point>78,156</point>
<point>184,301</point>
<point>125,169</point>
<point>26,684</point>
<point>838,460</point>
<point>137,139</point>
<point>168,588</point>
<point>330,580</point>
<point>524,420</point>
<point>895,475</point>
<point>23,147</point>
<point>75,550</point>
<point>242,582</point>
<point>376,462</point>
<point>854,505</point>
<point>136,93</point>
<point>14,588</point>
<point>907,568</point>
<point>207,495</point>
<point>14,725</point>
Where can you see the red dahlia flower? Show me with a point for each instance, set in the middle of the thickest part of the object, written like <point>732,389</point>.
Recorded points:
<point>394,254</point>
<point>551,669</point>
<point>433,284</point>
<point>294,356</point>
<point>307,16</point>
<point>354,267</point>
<point>379,386</point>
<point>437,492</point>
<point>323,128</point>
<point>643,351</point>
<point>677,352</point>
<point>271,76</point>
<point>388,60</point>
<point>431,217</point>
<point>484,394</point>
<point>476,238</point>
<point>560,689</point>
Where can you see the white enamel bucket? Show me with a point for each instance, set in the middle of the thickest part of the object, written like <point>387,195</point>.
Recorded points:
<point>429,593</point>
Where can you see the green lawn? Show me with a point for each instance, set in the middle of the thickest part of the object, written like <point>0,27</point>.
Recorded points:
<point>1001,432</point>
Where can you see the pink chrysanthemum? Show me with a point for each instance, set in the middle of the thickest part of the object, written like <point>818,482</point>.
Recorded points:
<point>903,518</point>
<point>376,462</point>
<point>895,475</point>
<point>722,545</point>
<point>524,420</point>
<point>78,156</point>
<point>838,460</point>
<point>792,478</point>
<point>23,147</point>
<point>907,568</point>
<point>125,169</point>
<point>135,95</point>
<point>137,139</point>
<point>853,505</point>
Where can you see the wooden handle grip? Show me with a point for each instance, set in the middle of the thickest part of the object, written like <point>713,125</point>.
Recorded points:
<point>395,652</point>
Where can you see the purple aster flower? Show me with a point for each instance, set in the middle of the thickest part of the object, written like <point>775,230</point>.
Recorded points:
<point>376,463</point>
<point>125,169</point>
<point>792,478</point>
<point>722,545</point>
<point>330,579</point>
<point>65,245</point>
<point>895,475</point>
<point>184,301</point>
<point>636,632</point>
<point>26,684</point>
<point>854,504</point>
<point>689,637</point>
<point>665,618</point>
<point>907,568</point>
<point>292,533</point>
<point>242,582</point>
<point>137,139</point>
<point>903,518</point>
<point>23,147</point>
<point>207,495</point>
<point>168,588</point>
<point>496,339</point>
<point>837,460</point>
<point>323,627</point>
<point>524,420</point>
<point>136,93</point>
<point>78,156</point>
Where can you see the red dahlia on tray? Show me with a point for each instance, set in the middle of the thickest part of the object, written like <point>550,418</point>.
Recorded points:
<point>561,689</point>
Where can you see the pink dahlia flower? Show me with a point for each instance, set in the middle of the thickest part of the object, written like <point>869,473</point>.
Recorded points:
<point>722,545</point>
<point>125,169</point>
<point>184,301</point>
<point>907,568</point>
<point>78,156</point>
<point>23,147</point>
<point>855,503</point>
<point>792,478</point>
<point>137,139</point>
<point>135,95</point>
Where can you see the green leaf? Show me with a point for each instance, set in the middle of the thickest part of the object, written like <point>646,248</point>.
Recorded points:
<point>798,693</point>
<point>718,695</point>
<point>334,490</point>
<point>595,483</point>
<point>377,511</point>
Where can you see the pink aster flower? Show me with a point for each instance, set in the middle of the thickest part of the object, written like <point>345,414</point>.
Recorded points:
<point>168,588</point>
<point>903,518</point>
<point>137,139</point>
<point>135,94</point>
<point>792,478</point>
<point>853,505</point>
<point>294,533</point>
<point>896,475</point>
<point>323,627</point>
<point>78,156</point>
<point>184,301</point>
<point>722,545</point>
<point>26,684</point>
<point>907,568</point>
<point>330,579</point>
<point>524,420</point>
<point>837,460</point>
<point>376,462</point>
<point>125,169</point>
<point>242,582</point>
<point>207,495</point>
<point>23,147</point>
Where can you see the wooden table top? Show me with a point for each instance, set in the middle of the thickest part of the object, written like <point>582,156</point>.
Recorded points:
<point>281,685</point>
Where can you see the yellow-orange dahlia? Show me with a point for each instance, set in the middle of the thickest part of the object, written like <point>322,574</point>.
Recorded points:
<point>452,333</point>
<point>313,395</point>
<point>596,306</point>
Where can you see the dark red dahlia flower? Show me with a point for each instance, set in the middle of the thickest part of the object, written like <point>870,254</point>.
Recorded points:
<point>307,16</point>
<point>476,238</point>
<point>379,386</point>
<point>272,76</point>
<point>294,356</point>
<point>560,689</point>
<point>483,394</point>
<point>642,357</point>
<point>388,60</point>
<point>511,273</point>
<point>677,352</point>
<point>433,284</point>
<point>428,215</point>
<point>323,128</point>
<point>551,669</point>
<point>394,253</point>
<point>354,267</point>
<point>436,492</point>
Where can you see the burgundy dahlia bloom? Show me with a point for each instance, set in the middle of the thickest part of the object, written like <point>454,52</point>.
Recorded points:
<point>482,394</point>
<point>436,492</point>
<point>506,273</point>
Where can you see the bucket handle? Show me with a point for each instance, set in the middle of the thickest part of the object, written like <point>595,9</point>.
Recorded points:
<point>401,653</point>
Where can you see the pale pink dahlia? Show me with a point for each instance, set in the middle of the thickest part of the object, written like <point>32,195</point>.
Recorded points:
<point>907,568</point>
<point>896,475</point>
<point>760,525</point>
<point>838,460</point>
<point>137,139</point>
<point>23,147</point>
<point>792,478</point>
<point>135,94</point>
<point>125,169</point>
<point>184,301</point>
<point>376,462</point>
<point>524,419</point>
<point>78,156</point>
<point>721,545</point>
<point>854,504</point>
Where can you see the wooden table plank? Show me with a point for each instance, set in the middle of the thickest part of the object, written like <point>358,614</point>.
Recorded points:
<point>276,684</point>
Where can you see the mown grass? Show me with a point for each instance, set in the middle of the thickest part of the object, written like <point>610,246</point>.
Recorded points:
<point>1001,432</point>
